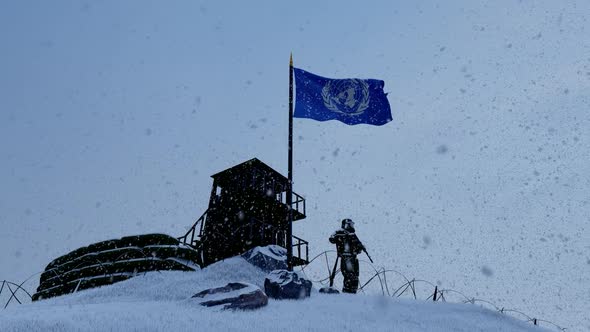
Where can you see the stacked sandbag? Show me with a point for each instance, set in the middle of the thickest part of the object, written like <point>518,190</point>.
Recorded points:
<point>107,262</point>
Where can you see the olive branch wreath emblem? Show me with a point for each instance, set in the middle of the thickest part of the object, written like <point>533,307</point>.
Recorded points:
<point>362,106</point>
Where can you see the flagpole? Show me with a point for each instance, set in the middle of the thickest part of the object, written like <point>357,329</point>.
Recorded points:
<point>290,172</point>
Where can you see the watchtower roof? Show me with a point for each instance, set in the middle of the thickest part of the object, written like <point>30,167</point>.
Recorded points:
<point>251,166</point>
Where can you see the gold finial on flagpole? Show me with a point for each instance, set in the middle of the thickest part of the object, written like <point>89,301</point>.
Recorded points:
<point>291,60</point>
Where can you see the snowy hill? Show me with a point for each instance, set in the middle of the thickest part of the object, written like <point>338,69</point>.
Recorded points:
<point>160,301</point>
<point>114,114</point>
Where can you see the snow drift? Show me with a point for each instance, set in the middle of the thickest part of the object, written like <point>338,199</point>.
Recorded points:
<point>161,301</point>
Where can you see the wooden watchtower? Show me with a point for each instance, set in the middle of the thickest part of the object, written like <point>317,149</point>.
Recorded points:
<point>247,208</point>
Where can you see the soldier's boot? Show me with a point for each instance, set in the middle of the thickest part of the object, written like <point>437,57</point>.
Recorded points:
<point>351,284</point>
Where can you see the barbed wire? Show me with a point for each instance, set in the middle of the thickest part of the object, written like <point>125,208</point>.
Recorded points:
<point>409,286</point>
<point>437,295</point>
<point>13,292</point>
<point>6,285</point>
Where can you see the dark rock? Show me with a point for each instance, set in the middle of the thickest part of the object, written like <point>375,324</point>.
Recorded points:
<point>268,258</point>
<point>329,290</point>
<point>235,295</point>
<point>283,284</point>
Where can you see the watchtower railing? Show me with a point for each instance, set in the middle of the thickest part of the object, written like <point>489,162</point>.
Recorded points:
<point>299,242</point>
<point>192,231</point>
<point>297,201</point>
<point>299,245</point>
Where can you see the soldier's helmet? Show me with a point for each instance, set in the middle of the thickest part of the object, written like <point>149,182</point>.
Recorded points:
<point>347,224</point>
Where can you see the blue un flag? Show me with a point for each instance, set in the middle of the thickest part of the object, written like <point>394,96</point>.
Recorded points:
<point>352,101</point>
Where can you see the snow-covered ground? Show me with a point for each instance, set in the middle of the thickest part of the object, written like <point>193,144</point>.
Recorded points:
<point>114,114</point>
<point>160,301</point>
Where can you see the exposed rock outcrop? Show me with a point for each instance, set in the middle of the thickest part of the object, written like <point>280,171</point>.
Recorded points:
<point>235,295</point>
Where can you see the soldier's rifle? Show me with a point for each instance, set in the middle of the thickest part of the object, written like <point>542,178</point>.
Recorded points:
<point>365,250</point>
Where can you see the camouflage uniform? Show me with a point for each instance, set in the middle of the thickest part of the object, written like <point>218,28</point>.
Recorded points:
<point>348,246</point>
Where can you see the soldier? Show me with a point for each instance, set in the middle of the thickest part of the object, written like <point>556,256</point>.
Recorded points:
<point>348,246</point>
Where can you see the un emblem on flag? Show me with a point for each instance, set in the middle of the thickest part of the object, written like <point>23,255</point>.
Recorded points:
<point>349,97</point>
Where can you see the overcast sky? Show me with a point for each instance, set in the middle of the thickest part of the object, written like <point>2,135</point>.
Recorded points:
<point>114,114</point>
